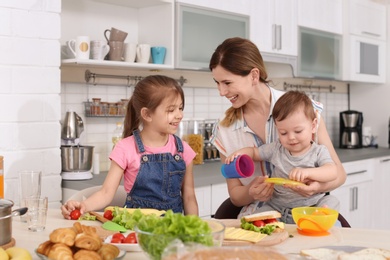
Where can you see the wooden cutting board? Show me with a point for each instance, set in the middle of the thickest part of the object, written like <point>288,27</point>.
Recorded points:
<point>275,238</point>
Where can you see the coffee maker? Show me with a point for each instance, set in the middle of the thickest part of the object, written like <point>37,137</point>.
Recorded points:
<point>351,123</point>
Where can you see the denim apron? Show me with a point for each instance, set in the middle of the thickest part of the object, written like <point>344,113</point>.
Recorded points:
<point>159,179</point>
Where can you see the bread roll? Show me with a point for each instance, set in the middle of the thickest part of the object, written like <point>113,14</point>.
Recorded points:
<point>84,254</point>
<point>63,235</point>
<point>108,252</point>
<point>60,251</point>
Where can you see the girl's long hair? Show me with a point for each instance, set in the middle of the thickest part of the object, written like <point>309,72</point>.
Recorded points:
<point>149,93</point>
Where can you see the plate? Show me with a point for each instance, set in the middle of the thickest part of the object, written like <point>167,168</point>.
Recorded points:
<point>122,253</point>
<point>282,181</point>
<point>125,247</point>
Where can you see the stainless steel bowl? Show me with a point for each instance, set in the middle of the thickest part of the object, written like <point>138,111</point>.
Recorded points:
<point>76,158</point>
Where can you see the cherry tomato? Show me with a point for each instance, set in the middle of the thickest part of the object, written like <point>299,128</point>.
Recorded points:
<point>259,223</point>
<point>130,239</point>
<point>116,240</point>
<point>271,220</point>
<point>118,235</point>
<point>75,214</point>
<point>108,214</point>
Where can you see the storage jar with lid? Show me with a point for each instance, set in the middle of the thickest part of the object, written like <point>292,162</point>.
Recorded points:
<point>192,132</point>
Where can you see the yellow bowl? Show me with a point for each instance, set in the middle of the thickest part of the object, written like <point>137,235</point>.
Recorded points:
<point>314,221</point>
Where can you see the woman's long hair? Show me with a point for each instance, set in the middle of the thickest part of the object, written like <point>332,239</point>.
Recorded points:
<point>238,56</point>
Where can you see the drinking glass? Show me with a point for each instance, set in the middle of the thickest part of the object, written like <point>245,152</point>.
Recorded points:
<point>29,187</point>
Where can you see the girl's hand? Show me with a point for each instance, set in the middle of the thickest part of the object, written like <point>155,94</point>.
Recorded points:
<point>259,190</point>
<point>71,205</point>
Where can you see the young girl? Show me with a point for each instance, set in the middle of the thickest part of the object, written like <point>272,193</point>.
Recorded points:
<point>156,164</point>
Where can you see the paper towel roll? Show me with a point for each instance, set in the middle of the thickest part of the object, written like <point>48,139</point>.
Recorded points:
<point>96,163</point>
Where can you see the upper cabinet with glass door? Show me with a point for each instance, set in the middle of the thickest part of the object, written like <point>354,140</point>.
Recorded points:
<point>364,41</point>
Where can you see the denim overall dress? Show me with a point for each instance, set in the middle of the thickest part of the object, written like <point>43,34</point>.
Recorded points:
<point>159,180</point>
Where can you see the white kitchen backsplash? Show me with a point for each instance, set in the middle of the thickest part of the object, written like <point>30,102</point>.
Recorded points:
<point>199,103</point>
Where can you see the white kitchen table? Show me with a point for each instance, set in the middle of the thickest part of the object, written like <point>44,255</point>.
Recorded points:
<point>338,237</point>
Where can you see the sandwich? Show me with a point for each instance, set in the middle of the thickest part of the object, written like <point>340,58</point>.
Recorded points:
<point>263,222</point>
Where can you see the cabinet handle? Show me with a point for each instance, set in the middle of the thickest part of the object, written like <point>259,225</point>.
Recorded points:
<point>356,197</point>
<point>358,172</point>
<point>351,199</point>
<point>274,36</point>
<point>371,34</point>
<point>384,160</point>
<point>278,37</point>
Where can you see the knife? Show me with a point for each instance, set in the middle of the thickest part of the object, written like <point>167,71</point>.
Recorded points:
<point>108,224</point>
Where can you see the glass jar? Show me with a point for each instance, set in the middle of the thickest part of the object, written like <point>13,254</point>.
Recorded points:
<point>192,132</point>
<point>95,109</point>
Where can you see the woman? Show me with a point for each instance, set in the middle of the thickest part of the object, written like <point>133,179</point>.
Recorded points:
<point>238,69</point>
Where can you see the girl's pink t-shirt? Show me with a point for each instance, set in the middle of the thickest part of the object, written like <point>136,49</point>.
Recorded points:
<point>125,154</point>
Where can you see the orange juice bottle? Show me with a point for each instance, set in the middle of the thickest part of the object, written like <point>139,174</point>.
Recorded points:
<point>1,178</point>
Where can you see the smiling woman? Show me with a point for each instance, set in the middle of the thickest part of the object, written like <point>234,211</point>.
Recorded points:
<point>239,72</point>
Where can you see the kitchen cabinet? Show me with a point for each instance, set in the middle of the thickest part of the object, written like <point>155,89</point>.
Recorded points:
<point>203,197</point>
<point>355,194</point>
<point>367,19</point>
<point>273,26</point>
<point>150,21</point>
<point>210,197</point>
<point>199,30</point>
<point>381,193</point>
<point>364,41</point>
<point>321,15</point>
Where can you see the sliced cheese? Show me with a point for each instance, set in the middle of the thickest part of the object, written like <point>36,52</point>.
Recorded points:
<point>143,211</point>
<point>232,233</point>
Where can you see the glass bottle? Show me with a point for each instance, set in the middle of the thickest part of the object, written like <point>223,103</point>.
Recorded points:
<point>117,134</point>
<point>1,178</point>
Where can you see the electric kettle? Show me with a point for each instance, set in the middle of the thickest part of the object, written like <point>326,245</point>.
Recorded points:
<point>72,127</point>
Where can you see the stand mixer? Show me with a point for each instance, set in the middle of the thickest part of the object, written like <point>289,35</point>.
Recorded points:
<point>76,159</point>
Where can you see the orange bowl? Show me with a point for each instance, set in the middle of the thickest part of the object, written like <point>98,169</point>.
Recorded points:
<point>314,221</point>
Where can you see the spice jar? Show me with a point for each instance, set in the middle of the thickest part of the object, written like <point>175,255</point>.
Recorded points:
<point>96,110</point>
<point>112,109</point>
<point>1,178</point>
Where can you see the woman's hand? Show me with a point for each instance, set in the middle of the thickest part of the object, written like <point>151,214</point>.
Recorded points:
<point>259,190</point>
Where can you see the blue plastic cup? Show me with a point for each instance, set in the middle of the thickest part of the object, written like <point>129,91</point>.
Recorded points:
<point>241,167</point>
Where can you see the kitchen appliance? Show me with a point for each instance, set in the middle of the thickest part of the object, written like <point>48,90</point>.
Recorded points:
<point>76,160</point>
<point>351,123</point>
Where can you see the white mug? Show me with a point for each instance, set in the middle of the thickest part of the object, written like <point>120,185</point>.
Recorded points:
<point>130,52</point>
<point>99,49</point>
<point>80,47</point>
<point>143,53</point>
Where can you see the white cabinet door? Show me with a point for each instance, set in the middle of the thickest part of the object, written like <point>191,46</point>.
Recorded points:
<point>321,15</point>
<point>219,193</point>
<point>273,26</point>
<point>203,196</point>
<point>367,19</point>
<point>381,193</point>
<point>356,194</point>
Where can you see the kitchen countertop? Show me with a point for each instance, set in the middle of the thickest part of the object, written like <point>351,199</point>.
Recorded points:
<point>346,237</point>
<point>209,172</point>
